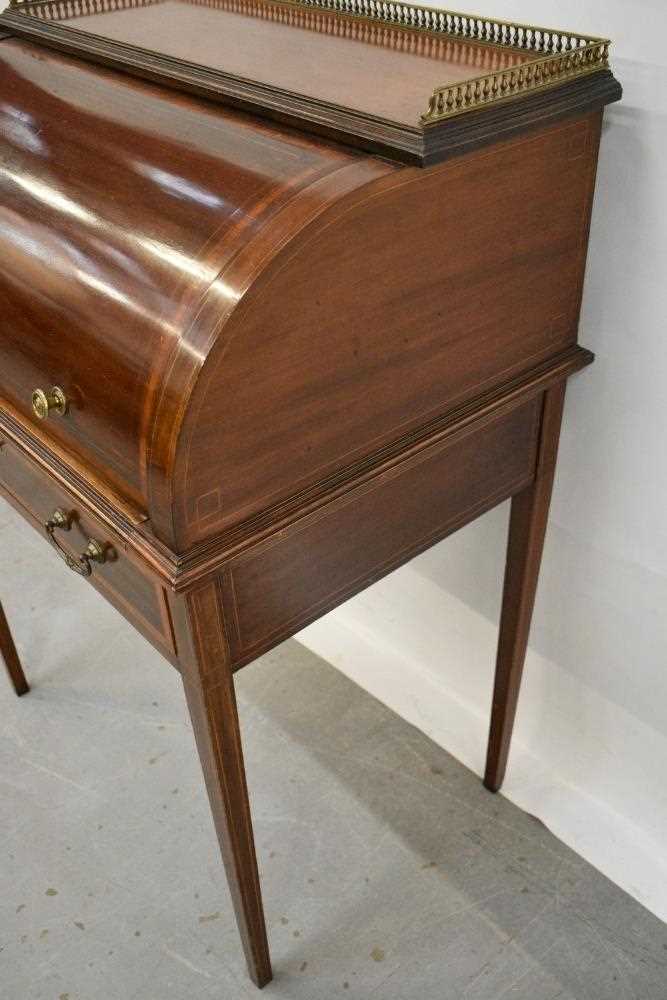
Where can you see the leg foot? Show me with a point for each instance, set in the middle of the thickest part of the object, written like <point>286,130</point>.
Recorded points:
<point>11,657</point>
<point>528,522</point>
<point>209,689</point>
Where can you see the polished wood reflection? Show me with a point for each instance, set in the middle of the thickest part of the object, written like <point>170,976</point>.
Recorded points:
<point>120,205</point>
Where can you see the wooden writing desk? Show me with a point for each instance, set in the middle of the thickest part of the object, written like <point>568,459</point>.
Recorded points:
<point>283,314</point>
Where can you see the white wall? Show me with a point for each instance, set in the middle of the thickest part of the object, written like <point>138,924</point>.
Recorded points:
<point>590,752</point>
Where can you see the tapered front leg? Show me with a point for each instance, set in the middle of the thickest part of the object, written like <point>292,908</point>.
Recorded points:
<point>209,689</point>
<point>528,522</point>
<point>11,657</point>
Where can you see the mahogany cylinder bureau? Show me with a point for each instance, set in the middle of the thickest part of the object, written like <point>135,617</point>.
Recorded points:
<point>267,333</point>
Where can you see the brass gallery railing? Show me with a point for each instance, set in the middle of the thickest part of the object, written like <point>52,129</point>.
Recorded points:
<point>559,56</point>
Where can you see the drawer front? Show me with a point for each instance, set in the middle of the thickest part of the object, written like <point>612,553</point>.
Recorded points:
<point>101,421</point>
<point>36,495</point>
<point>292,578</point>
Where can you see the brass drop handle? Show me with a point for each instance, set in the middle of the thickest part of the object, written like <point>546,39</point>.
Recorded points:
<point>95,551</point>
<point>44,403</point>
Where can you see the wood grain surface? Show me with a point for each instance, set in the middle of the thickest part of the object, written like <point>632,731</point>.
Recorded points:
<point>120,207</point>
<point>249,311</point>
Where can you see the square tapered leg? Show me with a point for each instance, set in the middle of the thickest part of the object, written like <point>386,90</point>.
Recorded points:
<point>528,522</point>
<point>209,689</point>
<point>11,657</point>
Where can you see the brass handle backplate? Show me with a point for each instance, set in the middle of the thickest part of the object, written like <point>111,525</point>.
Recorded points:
<point>44,403</point>
<point>95,551</point>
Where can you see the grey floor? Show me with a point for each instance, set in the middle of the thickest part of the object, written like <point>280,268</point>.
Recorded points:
<point>387,870</point>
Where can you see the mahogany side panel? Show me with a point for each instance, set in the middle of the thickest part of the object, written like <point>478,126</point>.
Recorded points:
<point>422,291</point>
<point>300,573</point>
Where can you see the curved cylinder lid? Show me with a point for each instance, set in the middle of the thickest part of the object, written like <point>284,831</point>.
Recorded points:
<point>121,208</point>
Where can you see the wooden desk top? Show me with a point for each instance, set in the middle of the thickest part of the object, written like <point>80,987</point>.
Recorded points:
<point>384,77</point>
<point>320,54</point>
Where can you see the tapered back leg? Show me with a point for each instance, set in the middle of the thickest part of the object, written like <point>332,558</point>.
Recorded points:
<point>11,657</point>
<point>528,522</point>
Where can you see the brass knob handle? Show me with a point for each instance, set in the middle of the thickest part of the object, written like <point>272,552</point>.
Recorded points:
<point>44,403</point>
<point>95,551</point>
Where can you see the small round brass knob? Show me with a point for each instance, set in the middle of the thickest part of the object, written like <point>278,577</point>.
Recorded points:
<point>44,403</point>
